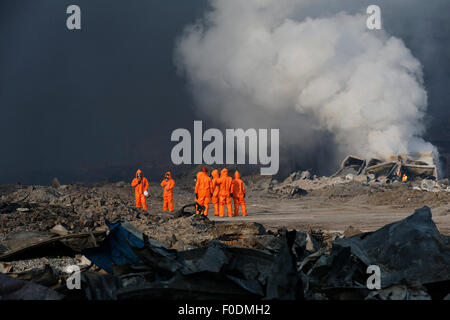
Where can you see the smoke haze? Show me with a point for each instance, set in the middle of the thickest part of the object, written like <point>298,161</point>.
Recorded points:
<point>281,64</point>
<point>97,103</point>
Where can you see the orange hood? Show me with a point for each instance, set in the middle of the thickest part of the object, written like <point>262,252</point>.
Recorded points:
<point>224,172</point>
<point>199,174</point>
<point>215,174</point>
<point>169,174</point>
<point>237,175</point>
<point>139,171</point>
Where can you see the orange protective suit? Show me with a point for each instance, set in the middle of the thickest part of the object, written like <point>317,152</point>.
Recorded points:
<point>168,186</point>
<point>203,190</point>
<point>215,191</point>
<point>238,190</point>
<point>139,189</point>
<point>225,184</point>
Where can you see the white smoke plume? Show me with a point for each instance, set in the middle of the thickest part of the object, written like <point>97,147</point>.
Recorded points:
<point>265,63</point>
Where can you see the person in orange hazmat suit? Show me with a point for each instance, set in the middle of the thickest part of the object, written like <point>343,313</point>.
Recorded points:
<point>203,190</point>
<point>140,185</point>
<point>168,184</point>
<point>215,191</point>
<point>238,190</point>
<point>225,193</point>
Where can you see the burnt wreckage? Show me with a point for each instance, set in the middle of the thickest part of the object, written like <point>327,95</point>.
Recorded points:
<point>401,167</point>
<point>412,255</point>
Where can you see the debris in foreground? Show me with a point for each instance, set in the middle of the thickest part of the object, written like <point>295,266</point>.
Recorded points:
<point>126,264</point>
<point>410,252</point>
<point>15,289</point>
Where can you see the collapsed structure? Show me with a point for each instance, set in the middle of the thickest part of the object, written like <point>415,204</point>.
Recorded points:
<point>417,172</point>
<point>417,165</point>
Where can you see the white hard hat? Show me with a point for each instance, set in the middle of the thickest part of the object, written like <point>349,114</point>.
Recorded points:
<point>146,193</point>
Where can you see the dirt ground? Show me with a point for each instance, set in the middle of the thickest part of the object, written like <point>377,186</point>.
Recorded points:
<point>336,207</point>
<point>318,213</point>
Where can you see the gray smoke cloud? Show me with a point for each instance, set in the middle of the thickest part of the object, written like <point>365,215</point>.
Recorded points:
<point>286,64</point>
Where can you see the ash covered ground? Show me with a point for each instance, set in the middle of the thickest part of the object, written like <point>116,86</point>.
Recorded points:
<point>329,204</point>
<point>321,209</point>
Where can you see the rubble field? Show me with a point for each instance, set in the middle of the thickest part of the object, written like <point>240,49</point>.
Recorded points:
<point>299,236</point>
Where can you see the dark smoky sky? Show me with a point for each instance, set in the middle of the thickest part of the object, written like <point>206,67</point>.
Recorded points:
<point>108,95</point>
<point>102,96</point>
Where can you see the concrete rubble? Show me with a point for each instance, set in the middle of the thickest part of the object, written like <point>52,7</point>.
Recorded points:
<point>419,169</point>
<point>128,264</point>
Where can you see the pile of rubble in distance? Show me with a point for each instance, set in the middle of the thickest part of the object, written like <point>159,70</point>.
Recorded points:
<point>299,182</point>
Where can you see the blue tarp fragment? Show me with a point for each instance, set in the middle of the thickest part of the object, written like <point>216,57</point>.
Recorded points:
<point>115,249</point>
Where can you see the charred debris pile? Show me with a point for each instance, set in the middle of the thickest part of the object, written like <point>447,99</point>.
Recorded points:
<point>125,263</point>
<point>417,171</point>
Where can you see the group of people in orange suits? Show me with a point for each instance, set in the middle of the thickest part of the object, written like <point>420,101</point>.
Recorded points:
<point>219,190</point>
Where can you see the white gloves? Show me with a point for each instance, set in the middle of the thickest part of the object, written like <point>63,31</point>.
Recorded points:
<point>146,194</point>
